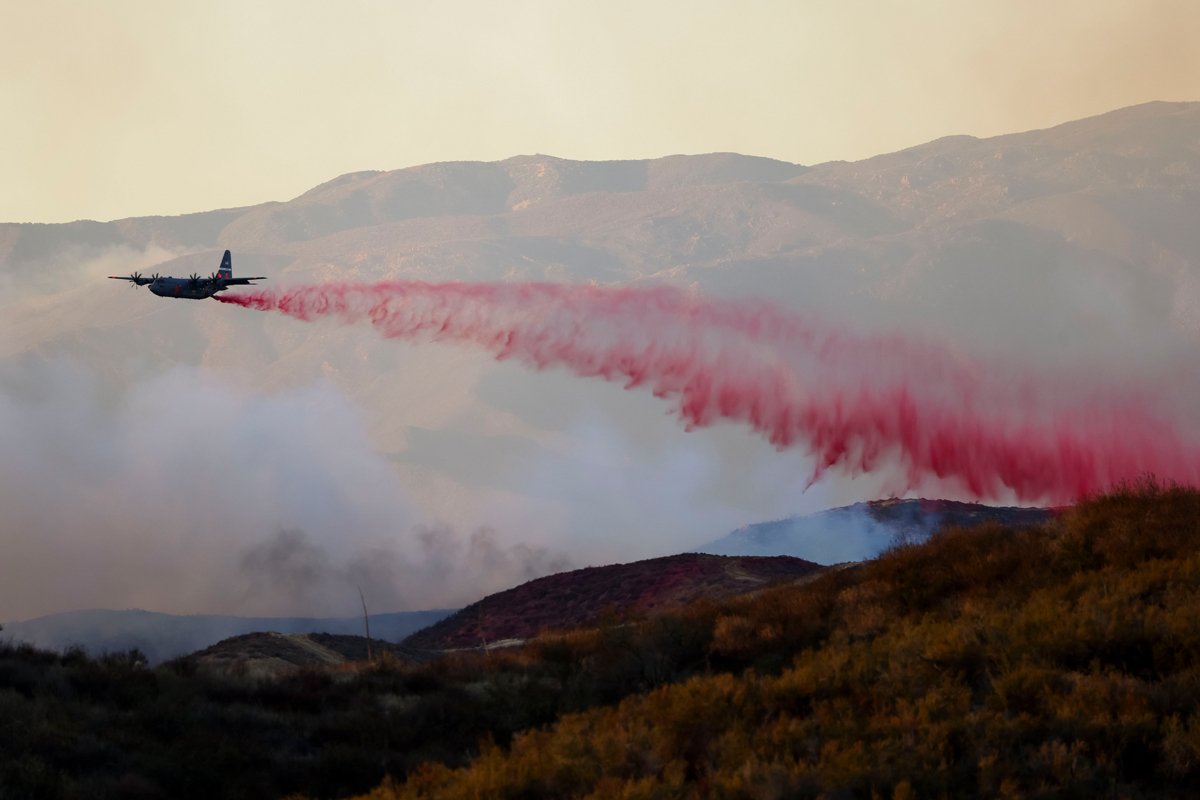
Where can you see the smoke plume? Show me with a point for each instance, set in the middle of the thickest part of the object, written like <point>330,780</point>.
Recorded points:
<point>856,403</point>
<point>183,493</point>
<point>292,569</point>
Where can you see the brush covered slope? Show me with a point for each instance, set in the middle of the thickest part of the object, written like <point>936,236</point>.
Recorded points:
<point>580,598</point>
<point>1055,661</point>
<point>113,726</point>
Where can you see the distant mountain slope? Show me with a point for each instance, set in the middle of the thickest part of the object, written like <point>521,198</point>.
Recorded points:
<point>1152,145</point>
<point>864,530</point>
<point>960,668</point>
<point>30,244</point>
<point>369,198</point>
<point>582,597</point>
<point>164,636</point>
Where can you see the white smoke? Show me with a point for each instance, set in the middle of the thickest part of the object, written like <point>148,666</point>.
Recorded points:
<point>171,495</point>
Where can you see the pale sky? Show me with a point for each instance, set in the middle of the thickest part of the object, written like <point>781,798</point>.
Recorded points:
<point>136,107</point>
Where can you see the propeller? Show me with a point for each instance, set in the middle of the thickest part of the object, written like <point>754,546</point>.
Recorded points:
<point>214,277</point>
<point>136,279</point>
<point>193,280</point>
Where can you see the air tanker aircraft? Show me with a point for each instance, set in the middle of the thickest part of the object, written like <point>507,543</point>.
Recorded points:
<point>193,287</point>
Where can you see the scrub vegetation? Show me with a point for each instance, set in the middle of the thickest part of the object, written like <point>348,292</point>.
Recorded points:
<point>1054,661</point>
<point>1060,660</point>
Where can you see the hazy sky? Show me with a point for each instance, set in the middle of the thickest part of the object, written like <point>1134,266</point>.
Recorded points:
<point>136,107</point>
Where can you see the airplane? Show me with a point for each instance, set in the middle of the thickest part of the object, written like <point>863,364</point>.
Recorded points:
<point>193,287</point>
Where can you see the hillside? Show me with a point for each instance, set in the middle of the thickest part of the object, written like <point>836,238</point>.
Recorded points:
<point>864,530</point>
<point>1052,661</point>
<point>581,598</point>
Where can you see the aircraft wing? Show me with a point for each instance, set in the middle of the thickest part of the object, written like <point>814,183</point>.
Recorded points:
<point>138,279</point>
<point>242,281</point>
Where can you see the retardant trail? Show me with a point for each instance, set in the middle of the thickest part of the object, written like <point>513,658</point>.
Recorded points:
<point>855,403</point>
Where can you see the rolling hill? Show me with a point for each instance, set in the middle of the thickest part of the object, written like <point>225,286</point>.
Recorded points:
<point>1054,660</point>
<point>583,597</point>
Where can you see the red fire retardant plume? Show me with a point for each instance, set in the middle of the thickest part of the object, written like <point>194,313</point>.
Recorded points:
<point>855,403</point>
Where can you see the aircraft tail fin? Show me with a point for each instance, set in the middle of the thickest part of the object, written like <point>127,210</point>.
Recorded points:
<point>226,269</point>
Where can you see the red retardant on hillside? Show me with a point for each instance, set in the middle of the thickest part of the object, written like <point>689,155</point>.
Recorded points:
<point>856,403</point>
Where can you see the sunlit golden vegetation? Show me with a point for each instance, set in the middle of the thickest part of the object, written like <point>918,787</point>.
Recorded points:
<point>1056,661</point>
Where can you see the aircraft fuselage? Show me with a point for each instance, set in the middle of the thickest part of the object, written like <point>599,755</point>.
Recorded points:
<point>184,288</point>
